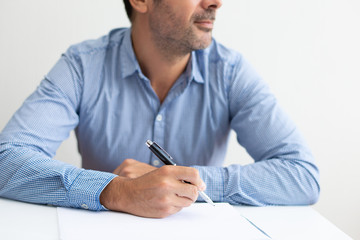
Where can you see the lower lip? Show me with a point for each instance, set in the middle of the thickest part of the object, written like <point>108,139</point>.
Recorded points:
<point>208,25</point>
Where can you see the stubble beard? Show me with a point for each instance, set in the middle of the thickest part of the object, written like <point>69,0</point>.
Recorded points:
<point>176,41</point>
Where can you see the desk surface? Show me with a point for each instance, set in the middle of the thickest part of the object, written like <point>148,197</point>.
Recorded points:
<point>30,221</point>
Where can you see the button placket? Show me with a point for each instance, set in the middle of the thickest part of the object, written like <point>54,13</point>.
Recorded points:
<point>159,118</point>
<point>156,163</point>
<point>159,132</point>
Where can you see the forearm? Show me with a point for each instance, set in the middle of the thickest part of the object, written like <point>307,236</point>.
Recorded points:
<point>268,182</point>
<point>30,176</point>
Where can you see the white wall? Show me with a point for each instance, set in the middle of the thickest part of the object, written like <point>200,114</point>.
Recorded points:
<point>307,50</point>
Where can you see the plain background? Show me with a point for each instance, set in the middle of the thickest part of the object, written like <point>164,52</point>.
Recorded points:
<point>307,50</point>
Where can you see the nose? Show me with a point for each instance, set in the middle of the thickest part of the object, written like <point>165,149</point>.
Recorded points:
<point>212,4</point>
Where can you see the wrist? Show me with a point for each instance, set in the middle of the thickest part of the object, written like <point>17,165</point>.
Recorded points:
<point>113,197</point>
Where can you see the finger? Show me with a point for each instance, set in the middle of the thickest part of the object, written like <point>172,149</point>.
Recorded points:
<point>183,201</point>
<point>186,190</point>
<point>124,165</point>
<point>166,211</point>
<point>190,175</point>
<point>172,203</point>
<point>117,170</point>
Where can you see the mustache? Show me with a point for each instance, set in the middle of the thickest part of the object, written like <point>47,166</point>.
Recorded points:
<point>209,14</point>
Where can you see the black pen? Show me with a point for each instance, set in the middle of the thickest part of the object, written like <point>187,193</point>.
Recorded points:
<point>168,160</point>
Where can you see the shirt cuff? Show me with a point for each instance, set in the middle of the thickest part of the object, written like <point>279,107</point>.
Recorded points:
<point>86,189</point>
<point>214,178</point>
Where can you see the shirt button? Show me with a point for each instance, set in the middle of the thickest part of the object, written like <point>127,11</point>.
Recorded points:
<point>159,118</point>
<point>84,206</point>
<point>156,162</point>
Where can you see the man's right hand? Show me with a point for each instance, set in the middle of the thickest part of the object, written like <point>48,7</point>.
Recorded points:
<point>157,194</point>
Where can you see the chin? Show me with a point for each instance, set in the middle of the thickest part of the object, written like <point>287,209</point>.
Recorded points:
<point>203,44</point>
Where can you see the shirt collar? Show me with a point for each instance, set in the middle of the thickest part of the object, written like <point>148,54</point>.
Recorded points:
<point>195,68</point>
<point>130,64</point>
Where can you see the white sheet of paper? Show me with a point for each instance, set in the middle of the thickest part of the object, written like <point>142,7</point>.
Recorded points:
<point>199,221</point>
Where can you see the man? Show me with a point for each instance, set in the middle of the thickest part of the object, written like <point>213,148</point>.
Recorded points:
<point>167,80</point>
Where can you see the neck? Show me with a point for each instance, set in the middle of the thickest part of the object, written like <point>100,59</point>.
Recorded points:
<point>161,67</point>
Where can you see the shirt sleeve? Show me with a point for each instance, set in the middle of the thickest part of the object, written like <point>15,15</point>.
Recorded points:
<point>29,142</point>
<point>284,172</point>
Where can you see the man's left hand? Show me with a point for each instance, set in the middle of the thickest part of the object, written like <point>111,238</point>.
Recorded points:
<point>131,168</point>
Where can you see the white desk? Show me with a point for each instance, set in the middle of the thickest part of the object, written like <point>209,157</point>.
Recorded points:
<point>20,221</point>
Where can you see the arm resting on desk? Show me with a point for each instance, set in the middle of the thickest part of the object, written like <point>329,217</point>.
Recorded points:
<point>284,172</point>
<point>29,142</point>
<point>30,176</point>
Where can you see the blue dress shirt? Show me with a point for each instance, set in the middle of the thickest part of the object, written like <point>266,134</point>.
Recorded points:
<point>98,89</point>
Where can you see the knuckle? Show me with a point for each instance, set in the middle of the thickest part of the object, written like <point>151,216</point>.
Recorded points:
<point>128,161</point>
<point>165,202</point>
<point>196,173</point>
<point>131,175</point>
<point>166,170</point>
<point>163,184</point>
<point>126,171</point>
<point>194,192</point>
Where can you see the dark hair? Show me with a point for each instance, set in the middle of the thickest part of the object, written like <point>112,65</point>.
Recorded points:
<point>128,8</point>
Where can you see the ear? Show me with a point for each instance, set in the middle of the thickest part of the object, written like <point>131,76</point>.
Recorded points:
<point>140,6</point>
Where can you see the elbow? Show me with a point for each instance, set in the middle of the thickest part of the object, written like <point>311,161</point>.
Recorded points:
<point>302,185</point>
<point>314,193</point>
<point>303,193</point>
<point>309,186</point>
